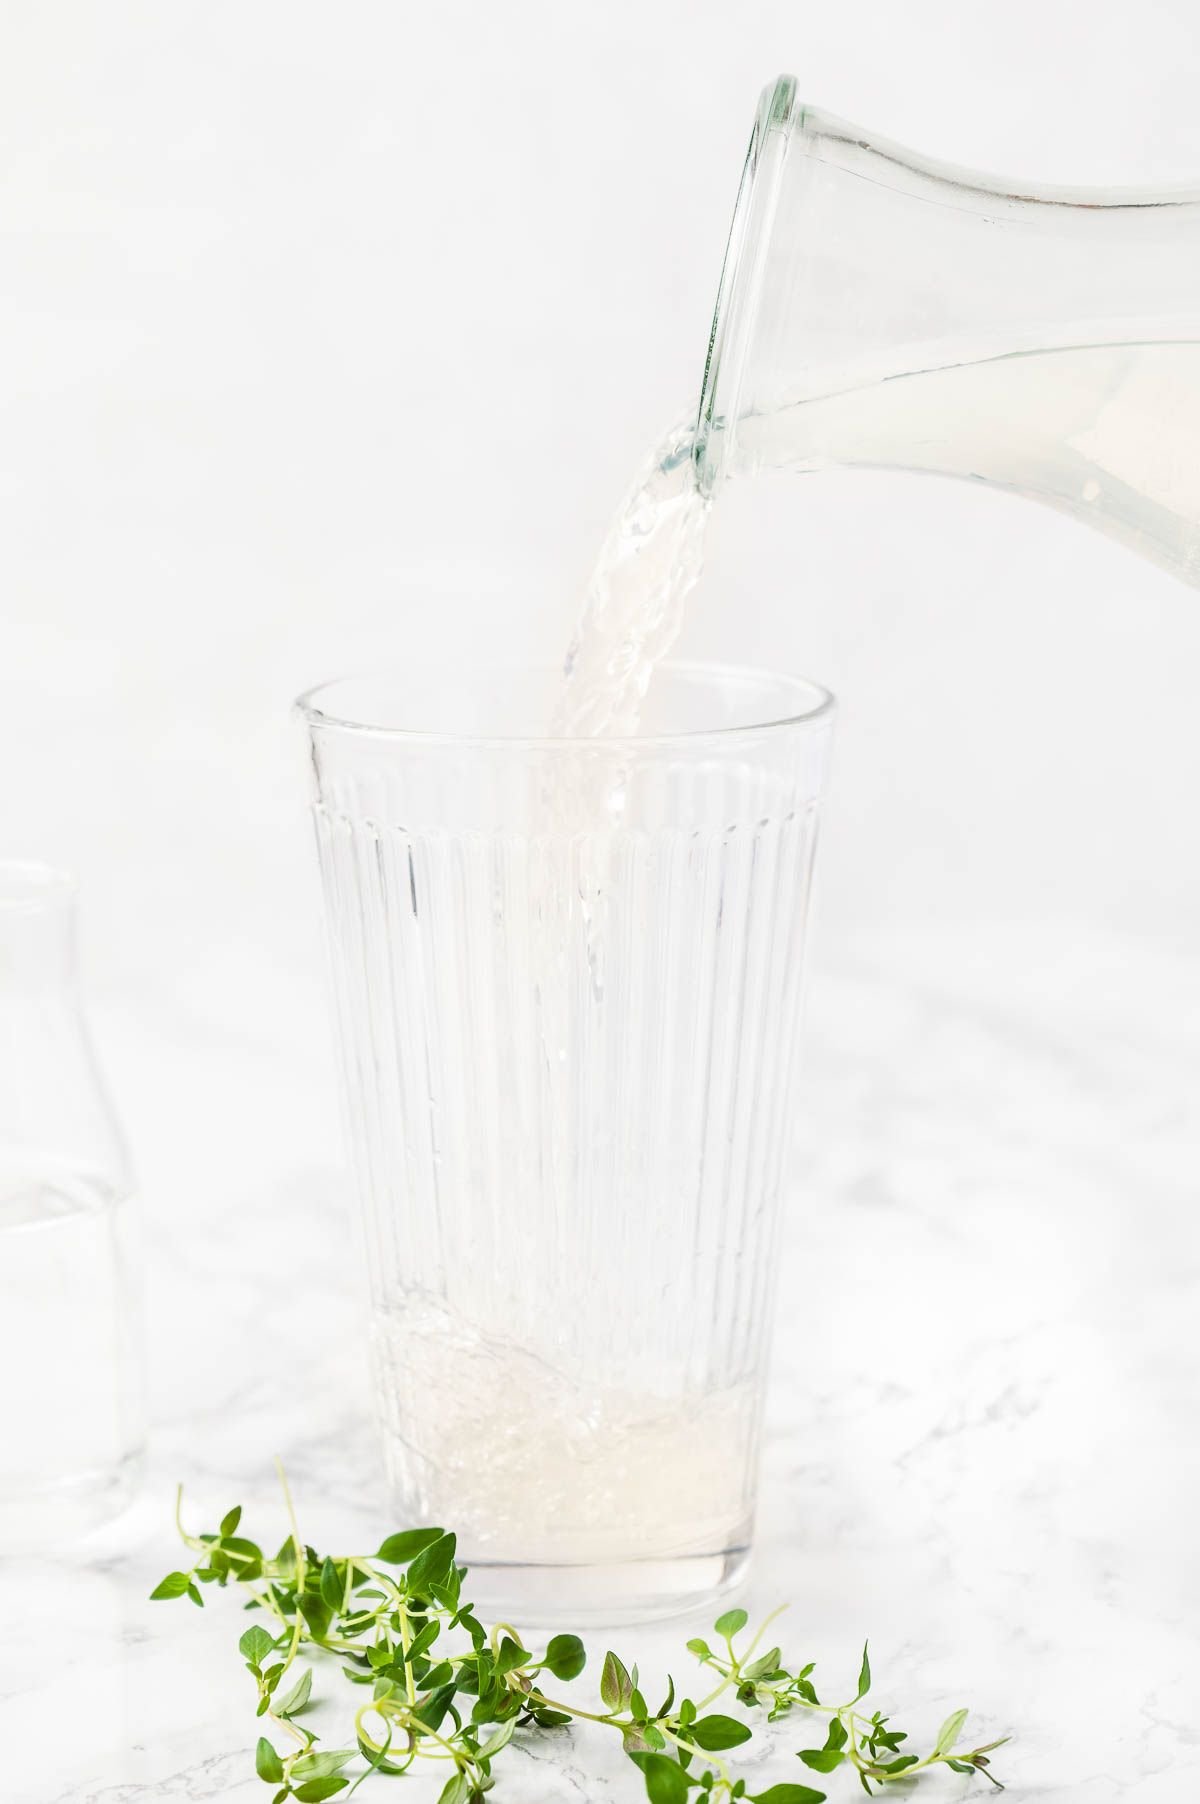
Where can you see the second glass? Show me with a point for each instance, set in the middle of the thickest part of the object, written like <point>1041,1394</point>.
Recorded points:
<point>567,977</point>
<point>71,1429</point>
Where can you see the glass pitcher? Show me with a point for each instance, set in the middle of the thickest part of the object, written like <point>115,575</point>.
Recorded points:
<point>878,308</point>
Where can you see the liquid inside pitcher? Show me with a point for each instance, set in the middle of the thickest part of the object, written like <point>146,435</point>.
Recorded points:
<point>878,308</point>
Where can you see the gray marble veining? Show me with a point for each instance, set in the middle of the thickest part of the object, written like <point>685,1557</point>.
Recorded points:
<point>982,1449</point>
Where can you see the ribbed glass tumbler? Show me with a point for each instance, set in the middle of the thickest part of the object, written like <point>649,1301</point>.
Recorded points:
<point>567,976</point>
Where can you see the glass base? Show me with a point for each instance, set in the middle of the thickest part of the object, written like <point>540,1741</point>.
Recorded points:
<point>36,1517</point>
<point>531,1596</point>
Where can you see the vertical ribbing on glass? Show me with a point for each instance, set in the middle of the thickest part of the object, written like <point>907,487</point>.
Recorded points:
<point>566,1053</point>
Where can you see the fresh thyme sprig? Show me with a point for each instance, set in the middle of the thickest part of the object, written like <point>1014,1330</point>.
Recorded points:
<point>863,1742</point>
<point>445,1689</point>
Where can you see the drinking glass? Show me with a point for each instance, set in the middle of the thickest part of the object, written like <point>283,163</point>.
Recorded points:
<point>70,1374</point>
<point>567,977</point>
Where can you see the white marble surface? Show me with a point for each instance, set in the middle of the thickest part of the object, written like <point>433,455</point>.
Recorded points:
<point>983,1426</point>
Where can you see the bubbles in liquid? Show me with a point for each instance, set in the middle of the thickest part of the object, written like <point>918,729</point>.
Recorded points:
<point>650,560</point>
<point>531,1462</point>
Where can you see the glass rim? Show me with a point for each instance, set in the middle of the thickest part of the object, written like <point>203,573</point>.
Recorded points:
<point>29,884</point>
<point>820,706</point>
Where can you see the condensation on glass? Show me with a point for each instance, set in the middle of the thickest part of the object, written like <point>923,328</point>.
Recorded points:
<point>71,1420</point>
<point>880,308</point>
<point>567,976</point>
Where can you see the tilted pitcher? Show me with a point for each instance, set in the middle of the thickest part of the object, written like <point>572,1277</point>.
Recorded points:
<point>878,308</point>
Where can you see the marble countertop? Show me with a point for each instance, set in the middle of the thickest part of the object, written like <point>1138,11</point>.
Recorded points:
<point>984,1428</point>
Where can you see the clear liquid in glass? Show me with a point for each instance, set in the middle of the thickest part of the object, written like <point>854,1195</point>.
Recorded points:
<point>71,1407</point>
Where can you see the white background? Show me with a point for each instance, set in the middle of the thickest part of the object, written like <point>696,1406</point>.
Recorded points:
<point>332,334</point>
